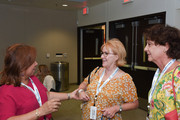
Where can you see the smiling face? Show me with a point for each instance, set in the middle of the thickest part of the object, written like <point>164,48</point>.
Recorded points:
<point>108,57</point>
<point>155,52</point>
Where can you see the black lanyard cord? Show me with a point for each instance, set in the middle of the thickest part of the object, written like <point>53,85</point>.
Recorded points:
<point>89,77</point>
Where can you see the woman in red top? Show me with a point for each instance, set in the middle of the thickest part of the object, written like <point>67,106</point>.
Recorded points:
<point>23,96</point>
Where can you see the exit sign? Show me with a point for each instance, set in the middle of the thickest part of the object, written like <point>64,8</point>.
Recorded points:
<point>85,10</point>
<point>127,1</point>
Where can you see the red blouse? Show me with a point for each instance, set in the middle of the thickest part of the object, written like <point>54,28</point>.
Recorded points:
<point>20,100</point>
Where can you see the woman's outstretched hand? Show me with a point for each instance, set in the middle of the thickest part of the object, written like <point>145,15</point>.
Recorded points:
<point>74,95</point>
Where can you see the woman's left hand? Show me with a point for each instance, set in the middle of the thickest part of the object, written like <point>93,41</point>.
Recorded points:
<point>110,111</point>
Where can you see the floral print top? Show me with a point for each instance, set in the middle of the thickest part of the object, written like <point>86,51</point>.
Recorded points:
<point>163,98</point>
<point>115,92</point>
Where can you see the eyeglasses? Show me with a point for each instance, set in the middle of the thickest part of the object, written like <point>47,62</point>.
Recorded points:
<point>106,53</point>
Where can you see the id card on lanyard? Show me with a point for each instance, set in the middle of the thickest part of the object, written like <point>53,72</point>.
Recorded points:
<point>93,109</point>
<point>156,78</point>
<point>35,91</point>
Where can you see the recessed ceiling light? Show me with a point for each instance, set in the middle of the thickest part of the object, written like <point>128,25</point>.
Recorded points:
<point>64,5</point>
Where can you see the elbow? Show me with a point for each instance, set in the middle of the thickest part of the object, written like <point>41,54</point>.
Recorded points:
<point>136,104</point>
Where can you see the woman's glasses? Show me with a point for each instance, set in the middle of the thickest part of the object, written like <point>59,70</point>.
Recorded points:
<point>106,53</point>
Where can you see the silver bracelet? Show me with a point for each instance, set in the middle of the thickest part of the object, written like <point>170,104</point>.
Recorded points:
<point>120,109</point>
<point>81,90</point>
<point>37,113</point>
<point>69,97</point>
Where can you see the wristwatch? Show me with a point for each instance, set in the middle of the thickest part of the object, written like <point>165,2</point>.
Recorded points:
<point>120,109</point>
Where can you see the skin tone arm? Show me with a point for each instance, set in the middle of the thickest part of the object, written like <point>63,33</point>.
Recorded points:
<point>52,105</point>
<point>110,112</point>
<point>130,106</point>
<point>83,85</point>
<point>63,96</point>
<point>82,94</point>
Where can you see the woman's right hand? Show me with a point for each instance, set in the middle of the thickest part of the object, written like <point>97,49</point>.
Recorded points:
<point>83,96</point>
<point>49,107</point>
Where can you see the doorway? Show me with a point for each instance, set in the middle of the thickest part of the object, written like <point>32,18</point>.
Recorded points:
<point>90,39</point>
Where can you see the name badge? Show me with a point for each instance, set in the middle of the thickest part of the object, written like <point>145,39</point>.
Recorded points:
<point>93,112</point>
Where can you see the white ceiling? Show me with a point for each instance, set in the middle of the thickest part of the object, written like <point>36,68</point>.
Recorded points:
<point>54,4</point>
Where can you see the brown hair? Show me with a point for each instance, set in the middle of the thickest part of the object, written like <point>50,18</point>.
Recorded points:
<point>17,59</point>
<point>43,72</point>
<point>163,35</point>
<point>118,49</point>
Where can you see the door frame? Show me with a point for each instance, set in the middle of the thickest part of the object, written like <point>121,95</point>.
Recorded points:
<point>80,47</point>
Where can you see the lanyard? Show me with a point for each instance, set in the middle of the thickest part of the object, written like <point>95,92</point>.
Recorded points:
<point>107,80</point>
<point>35,91</point>
<point>156,79</point>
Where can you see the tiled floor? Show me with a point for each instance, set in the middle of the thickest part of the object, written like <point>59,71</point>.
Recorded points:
<point>70,110</point>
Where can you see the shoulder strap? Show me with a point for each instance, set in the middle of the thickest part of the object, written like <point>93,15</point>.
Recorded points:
<point>89,77</point>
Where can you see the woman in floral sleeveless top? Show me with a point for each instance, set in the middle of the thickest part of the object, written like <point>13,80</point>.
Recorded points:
<point>163,49</point>
<point>109,90</point>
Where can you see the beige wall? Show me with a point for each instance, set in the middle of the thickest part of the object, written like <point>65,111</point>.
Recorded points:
<point>115,10</point>
<point>50,31</point>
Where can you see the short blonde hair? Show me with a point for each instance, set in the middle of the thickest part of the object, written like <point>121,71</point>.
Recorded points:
<point>118,49</point>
